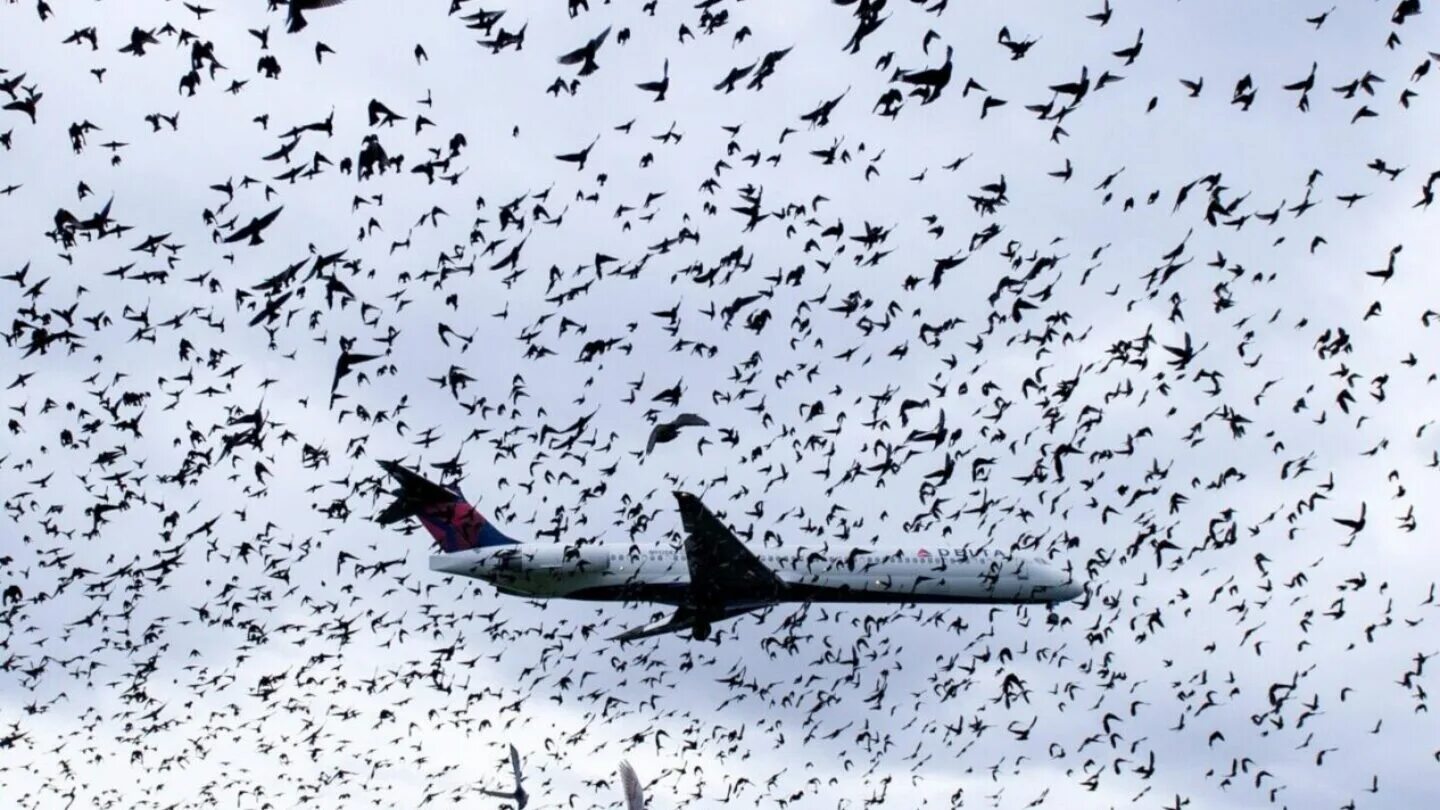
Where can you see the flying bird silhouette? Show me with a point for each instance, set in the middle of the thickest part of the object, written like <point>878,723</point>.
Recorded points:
<point>295,20</point>
<point>668,431</point>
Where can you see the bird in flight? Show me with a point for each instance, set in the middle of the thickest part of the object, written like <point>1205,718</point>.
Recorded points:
<point>295,21</point>
<point>518,795</point>
<point>668,431</point>
<point>585,54</point>
<point>630,788</point>
<point>254,228</point>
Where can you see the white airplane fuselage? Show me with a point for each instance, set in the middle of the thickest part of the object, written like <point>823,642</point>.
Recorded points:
<point>662,574</point>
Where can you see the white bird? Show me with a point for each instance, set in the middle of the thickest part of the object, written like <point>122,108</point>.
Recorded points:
<point>518,795</point>
<point>630,783</point>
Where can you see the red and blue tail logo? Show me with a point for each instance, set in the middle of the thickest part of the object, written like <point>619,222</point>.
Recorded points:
<point>442,510</point>
<point>457,526</point>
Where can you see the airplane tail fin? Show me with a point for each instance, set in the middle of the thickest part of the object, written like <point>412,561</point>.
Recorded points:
<point>442,510</point>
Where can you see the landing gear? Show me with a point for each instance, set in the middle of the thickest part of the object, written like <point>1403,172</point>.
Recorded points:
<point>700,630</point>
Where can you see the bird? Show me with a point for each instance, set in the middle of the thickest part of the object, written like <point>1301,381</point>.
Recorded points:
<point>668,431</point>
<point>1355,525</point>
<point>585,54</point>
<point>660,86</point>
<point>140,39</point>
<point>930,82</point>
<point>254,228</point>
<point>579,158</point>
<point>728,83</point>
<point>518,795</point>
<point>632,792</point>
<point>344,365</point>
<point>295,21</point>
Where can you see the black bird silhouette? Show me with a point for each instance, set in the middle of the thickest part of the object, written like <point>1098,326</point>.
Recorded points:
<point>736,74</point>
<point>295,21</point>
<point>1017,47</point>
<point>254,228</point>
<point>579,158</point>
<point>1356,525</point>
<point>585,54</point>
<point>1077,90</point>
<point>26,105</point>
<point>668,431</point>
<point>930,82</point>
<point>659,87</point>
<point>1131,53</point>
<point>766,68</point>
<point>344,364</point>
<point>139,39</point>
<point>380,115</point>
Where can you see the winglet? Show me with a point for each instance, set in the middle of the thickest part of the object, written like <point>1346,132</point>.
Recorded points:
<point>692,510</point>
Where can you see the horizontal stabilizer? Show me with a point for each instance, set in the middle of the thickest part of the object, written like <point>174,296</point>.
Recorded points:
<point>442,510</point>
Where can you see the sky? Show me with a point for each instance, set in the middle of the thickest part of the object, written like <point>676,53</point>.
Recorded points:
<point>233,634</point>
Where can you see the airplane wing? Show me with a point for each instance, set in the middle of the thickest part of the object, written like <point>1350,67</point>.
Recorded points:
<point>722,569</point>
<point>726,578</point>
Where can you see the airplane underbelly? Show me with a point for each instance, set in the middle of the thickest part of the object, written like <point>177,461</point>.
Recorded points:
<point>869,587</point>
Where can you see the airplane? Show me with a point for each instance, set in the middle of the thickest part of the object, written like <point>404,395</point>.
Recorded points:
<point>713,576</point>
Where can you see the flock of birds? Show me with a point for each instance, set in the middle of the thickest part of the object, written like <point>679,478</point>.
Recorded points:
<point>1142,290</point>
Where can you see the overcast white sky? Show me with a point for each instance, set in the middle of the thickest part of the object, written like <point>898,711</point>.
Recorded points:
<point>280,677</point>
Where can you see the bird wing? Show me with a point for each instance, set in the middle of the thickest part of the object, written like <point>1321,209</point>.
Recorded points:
<point>242,233</point>
<point>735,75</point>
<point>576,56</point>
<point>264,222</point>
<point>689,420</point>
<point>634,796</point>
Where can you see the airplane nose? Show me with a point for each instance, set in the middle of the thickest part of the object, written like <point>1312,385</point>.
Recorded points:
<point>1061,586</point>
<point>1067,591</point>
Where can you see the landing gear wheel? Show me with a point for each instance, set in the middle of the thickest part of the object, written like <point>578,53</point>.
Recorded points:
<point>700,631</point>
